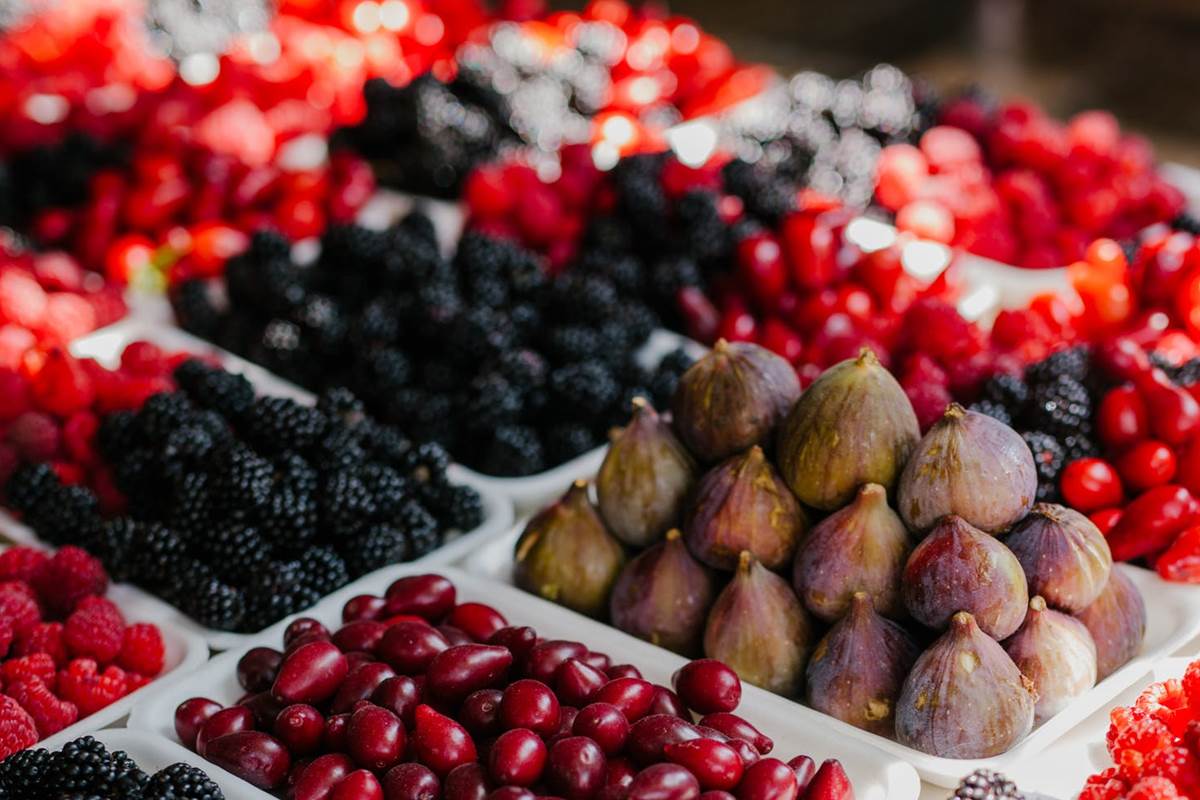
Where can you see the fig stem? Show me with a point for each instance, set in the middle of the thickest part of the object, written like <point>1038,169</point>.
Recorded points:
<point>745,558</point>
<point>867,357</point>
<point>639,403</point>
<point>673,534</point>
<point>954,411</point>
<point>721,346</point>
<point>1037,603</point>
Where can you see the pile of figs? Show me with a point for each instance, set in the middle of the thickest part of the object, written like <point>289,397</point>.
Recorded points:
<point>825,550</point>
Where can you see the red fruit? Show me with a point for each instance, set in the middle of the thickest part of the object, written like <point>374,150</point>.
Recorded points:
<point>68,316</point>
<point>480,713</point>
<point>517,758</point>
<point>811,248</point>
<point>303,626</point>
<point>667,702</point>
<point>769,779</point>
<point>1121,418</point>
<point>310,674</point>
<point>1089,484</point>
<point>529,704</point>
<point>738,325</point>
<point>466,782</point>
<point>71,575</point>
<point>1152,521</point>
<point>457,671</point>
<point>363,606</point>
<point>358,785</point>
<point>79,433</point>
<point>486,193</point>
<point>362,636</point>
<point>257,668</point>
<point>35,436</point>
<point>400,695</point>
<point>317,780</point>
<point>927,219</point>
<point>44,637</point>
<point>375,737</point>
<point>410,782</point>
<point>22,299</point>
<point>334,738</point>
<point>17,729</point>
<point>760,263</point>
<point>14,395</point>
<point>300,727</point>
<point>38,666</point>
<point>95,629</point>
<point>830,783</point>
<point>21,563</point>
<point>190,716</point>
<point>701,318</point>
<point>430,597</point>
<point>649,735</point>
<point>576,767</point>
<point>805,768</point>
<point>1106,519</point>
<point>576,681</point>
<point>663,782</point>
<point>1146,464</point>
<point>1174,414</point>
<point>439,742</point>
<point>255,757</point>
<point>142,649</point>
<point>715,765</point>
<point>477,620</point>
<point>708,686</point>
<point>901,170</point>
<point>735,727</point>
<point>49,714</point>
<point>62,387</point>
<point>779,338</point>
<point>1181,560</point>
<point>360,684</point>
<point>604,724</point>
<point>222,722</point>
<point>633,696</point>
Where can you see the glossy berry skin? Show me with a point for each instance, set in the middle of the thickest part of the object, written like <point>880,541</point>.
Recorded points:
<point>604,724</point>
<point>430,597</point>
<point>411,781</point>
<point>300,727</point>
<point>517,758</point>
<point>401,695</point>
<point>362,635</point>
<point>256,670</point>
<point>1106,519</point>
<point>457,671</point>
<point>1174,414</point>
<point>375,737</point>
<point>649,735</point>
<point>334,739</point>
<point>529,704</point>
<point>317,780</point>
<point>545,658</point>
<point>253,756</point>
<point>439,742</point>
<point>715,765</point>
<point>768,779</point>
<point>1151,522</point>
<point>409,647</point>
<point>303,626</point>
<point>519,641</point>
<point>480,712</point>
<point>633,696</point>
<point>1088,484</point>
<point>226,721</point>
<point>477,620</point>
<point>466,782</point>
<point>576,768</point>
<point>664,782</point>
<point>830,783</point>
<point>1146,464</point>
<point>708,686</point>
<point>667,702</point>
<point>363,606</point>
<point>310,674</point>
<point>805,768</point>
<point>576,681</point>
<point>1121,418</point>
<point>358,785</point>
<point>190,716</point>
<point>735,727</point>
<point>360,684</point>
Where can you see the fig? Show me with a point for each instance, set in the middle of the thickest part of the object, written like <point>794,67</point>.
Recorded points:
<point>1117,621</point>
<point>854,425</point>
<point>960,568</point>
<point>566,555</point>
<point>732,398</point>
<point>663,596</point>
<point>964,698</point>
<point>856,671</point>
<point>1056,653</point>
<point>758,627</point>
<point>1064,555</point>
<point>645,478</point>
<point>971,465</point>
<point>860,548</point>
<point>743,504</point>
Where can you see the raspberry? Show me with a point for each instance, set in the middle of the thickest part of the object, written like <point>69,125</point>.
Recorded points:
<point>22,300</point>
<point>929,401</point>
<point>1190,682</point>
<point>6,637</point>
<point>144,358</point>
<point>15,341</point>
<point>62,386</point>
<point>79,434</point>
<point>95,629</point>
<point>68,316</point>
<point>1153,788</point>
<point>58,272</point>
<point>39,666</point>
<point>142,649</point>
<point>71,575</point>
<point>35,435</point>
<point>19,606</point>
<point>49,714</point>
<point>17,728</point>
<point>14,395</point>
<point>21,563</point>
<point>135,681</point>
<point>1167,703</point>
<point>1106,785</point>
<point>1136,729</point>
<point>1179,765</point>
<point>45,637</point>
<point>90,692</point>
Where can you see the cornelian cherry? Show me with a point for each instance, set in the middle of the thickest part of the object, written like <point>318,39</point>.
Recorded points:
<point>1146,464</point>
<point>1121,418</point>
<point>1088,484</point>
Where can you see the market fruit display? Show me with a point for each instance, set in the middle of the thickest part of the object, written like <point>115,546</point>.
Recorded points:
<point>242,509</point>
<point>84,767</point>
<point>402,700</point>
<point>66,650</point>
<point>933,600</point>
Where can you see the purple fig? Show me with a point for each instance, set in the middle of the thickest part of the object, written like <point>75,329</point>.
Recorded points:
<point>964,698</point>
<point>733,398</point>
<point>970,465</point>
<point>743,504</point>
<point>856,671</point>
<point>566,555</point>
<point>1117,621</point>
<point>645,478</point>
<point>854,425</point>
<point>1064,555</point>
<point>1057,654</point>
<point>861,548</point>
<point>758,627</point>
<point>959,568</point>
<point>663,596</point>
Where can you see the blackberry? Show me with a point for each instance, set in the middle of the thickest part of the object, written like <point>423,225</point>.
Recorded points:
<point>993,409</point>
<point>118,434</point>
<point>671,274</point>
<point>226,393</point>
<point>189,443</point>
<point>28,484</point>
<point>194,309</point>
<point>1061,406</point>
<point>215,604</point>
<point>280,423</point>
<point>339,448</point>
<point>986,784</point>
<point>243,478</point>
<point>345,502</point>
<point>289,521</point>
<point>376,546</point>
<point>162,414</point>
<point>189,508</point>
<point>1009,391</point>
<point>494,401</point>
<point>234,551</point>
<point>338,402</point>
<point>762,193</point>
<point>324,570</point>
<point>268,243</point>
<point>65,515</point>
<point>1079,445</point>
<point>524,368</point>
<point>427,461</point>
<point>155,553</point>
<point>705,234</point>
<point>85,766</point>
<point>568,440</point>
<point>1049,458</point>
<point>514,450</point>
<point>28,773</point>
<point>588,386</point>
<point>114,547</point>
<point>455,507</point>
<point>1074,362</point>
<point>388,488</point>
<point>1187,373</point>
<point>573,343</point>
<point>182,781</point>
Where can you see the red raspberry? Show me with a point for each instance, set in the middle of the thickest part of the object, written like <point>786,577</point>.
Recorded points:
<point>90,693</point>
<point>68,316</point>
<point>17,728</point>
<point>1136,729</point>
<point>22,300</point>
<point>35,435</point>
<point>108,305</point>
<point>1167,703</point>
<point>1179,765</point>
<point>142,649</point>
<point>15,342</point>
<point>1153,788</point>
<point>14,395</point>
<point>49,714</point>
<point>95,629</point>
<point>6,637</point>
<point>19,606</point>
<point>38,665</point>
<point>135,681</point>
<point>929,401</point>
<point>71,575</point>
<point>1106,785</point>
<point>45,637</point>
<point>1190,682</point>
<point>58,272</point>
<point>62,386</point>
<point>21,563</point>
<point>79,435</point>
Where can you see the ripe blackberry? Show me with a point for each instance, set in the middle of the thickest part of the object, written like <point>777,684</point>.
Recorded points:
<point>181,782</point>
<point>573,343</point>
<point>85,766</point>
<point>187,443</point>
<point>705,235</point>
<point>276,592</point>
<point>345,502</point>
<point>155,554</point>
<point>1007,390</point>
<point>993,409</point>
<point>227,393</point>
<point>525,369</point>
<point>1061,406</point>
<point>388,488</point>
<point>763,194</point>
<point>1079,445</point>
<point>986,784</point>
<point>28,773</point>
<point>588,386</point>
<point>1074,362</point>
<point>243,478</point>
<point>670,274</point>
<point>374,547</point>
<point>118,434</point>
<point>339,403</point>
<point>214,604</point>
<point>289,521</point>
<point>513,450</point>
<point>280,423</point>
<point>338,448</point>
<point>114,547</point>
<point>567,440</point>
<point>162,414</point>
<point>1049,458</point>
<point>324,570</point>
<point>234,551</point>
<point>427,461</point>
<point>65,515</point>
<point>28,484</point>
<point>455,507</point>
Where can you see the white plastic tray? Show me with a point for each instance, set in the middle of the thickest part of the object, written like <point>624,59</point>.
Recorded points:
<point>183,652</point>
<point>106,345</point>
<point>152,754</point>
<point>1174,619</point>
<point>875,775</point>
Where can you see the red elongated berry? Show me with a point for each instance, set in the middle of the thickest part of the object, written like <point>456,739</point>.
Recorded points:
<point>805,768</point>
<point>255,757</point>
<point>480,712</point>
<point>457,671</point>
<point>363,606</point>
<point>1174,413</point>
<point>649,735</point>
<point>303,626</point>
<point>317,780</point>
<point>190,716</point>
<point>1088,484</point>
<point>576,681</point>
<point>529,704</point>
<point>375,737</point>
<point>1151,522</point>
<point>400,695</point>
<point>1146,464</point>
<point>439,742</point>
<point>358,785</point>
<point>300,728</point>
<point>257,668</point>
<point>362,635</point>
<point>715,765</point>
<point>428,596</point>
<point>604,724</point>
<point>225,721</point>
<point>708,686</point>
<point>576,767</point>
<point>632,695</point>
<point>1121,418</point>
<point>735,727</point>
<point>830,783</point>
<point>477,620</point>
<point>663,782</point>
<point>411,782</point>
<point>545,658</point>
<point>466,782</point>
<point>519,640</point>
<point>360,684</point>
<point>311,673</point>
<point>517,758</point>
<point>768,779</point>
<point>409,647</point>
